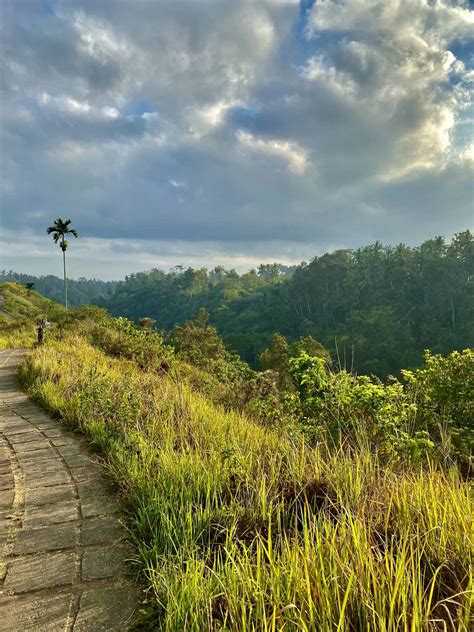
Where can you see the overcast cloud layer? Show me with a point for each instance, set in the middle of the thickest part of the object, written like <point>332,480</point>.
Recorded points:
<point>231,132</point>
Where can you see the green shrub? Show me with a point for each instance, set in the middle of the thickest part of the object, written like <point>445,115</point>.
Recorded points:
<point>444,393</point>
<point>198,343</point>
<point>119,337</point>
<point>346,407</point>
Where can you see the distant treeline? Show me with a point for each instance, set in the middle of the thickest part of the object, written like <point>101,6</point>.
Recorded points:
<point>80,291</point>
<point>375,308</point>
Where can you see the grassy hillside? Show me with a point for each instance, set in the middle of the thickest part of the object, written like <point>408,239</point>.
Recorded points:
<point>21,310</point>
<point>241,523</point>
<point>80,291</point>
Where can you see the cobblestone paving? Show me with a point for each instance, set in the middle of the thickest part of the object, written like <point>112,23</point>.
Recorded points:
<point>63,556</point>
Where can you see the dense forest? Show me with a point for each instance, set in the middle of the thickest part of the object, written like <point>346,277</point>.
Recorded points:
<point>376,309</point>
<point>80,291</point>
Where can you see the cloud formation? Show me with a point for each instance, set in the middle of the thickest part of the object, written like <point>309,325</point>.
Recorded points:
<point>247,128</point>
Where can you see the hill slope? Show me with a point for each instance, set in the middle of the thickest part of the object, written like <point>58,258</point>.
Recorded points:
<point>80,291</point>
<point>241,523</point>
<point>21,310</point>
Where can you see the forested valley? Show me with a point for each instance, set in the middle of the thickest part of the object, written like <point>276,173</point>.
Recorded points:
<point>376,309</point>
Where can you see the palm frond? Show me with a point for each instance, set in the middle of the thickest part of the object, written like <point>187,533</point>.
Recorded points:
<point>59,230</point>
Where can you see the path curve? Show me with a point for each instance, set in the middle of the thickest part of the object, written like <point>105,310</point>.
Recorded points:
<point>63,555</point>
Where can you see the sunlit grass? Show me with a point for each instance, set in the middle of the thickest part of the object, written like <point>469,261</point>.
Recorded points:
<point>20,339</point>
<point>21,310</point>
<point>239,528</point>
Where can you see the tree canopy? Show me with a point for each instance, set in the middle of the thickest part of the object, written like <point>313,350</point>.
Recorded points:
<point>375,309</point>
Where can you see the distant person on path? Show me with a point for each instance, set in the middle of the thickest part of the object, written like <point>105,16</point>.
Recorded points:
<point>40,332</point>
<point>44,324</point>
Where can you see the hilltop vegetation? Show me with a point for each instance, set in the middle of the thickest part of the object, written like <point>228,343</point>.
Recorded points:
<point>300,498</point>
<point>376,309</point>
<point>80,291</point>
<point>22,309</point>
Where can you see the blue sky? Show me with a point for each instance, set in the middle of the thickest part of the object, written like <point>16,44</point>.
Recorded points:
<point>206,133</point>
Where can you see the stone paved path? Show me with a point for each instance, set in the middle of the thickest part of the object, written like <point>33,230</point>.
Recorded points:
<point>63,557</point>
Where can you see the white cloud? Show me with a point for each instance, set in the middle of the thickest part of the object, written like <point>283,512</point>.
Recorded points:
<point>296,156</point>
<point>205,119</point>
<point>111,112</point>
<point>99,40</point>
<point>177,184</point>
<point>434,22</point>
<point>391,61</point>
<point>73,106</point>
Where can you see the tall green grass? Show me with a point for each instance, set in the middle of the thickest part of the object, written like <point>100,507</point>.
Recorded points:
<point>240,528</point>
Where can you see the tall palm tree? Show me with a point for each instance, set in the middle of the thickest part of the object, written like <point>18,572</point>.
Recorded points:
<point>59,230</point>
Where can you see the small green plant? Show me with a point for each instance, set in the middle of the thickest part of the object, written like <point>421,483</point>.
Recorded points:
<point>198,343</point>
<point>120,337</point>
<point>146,323</point>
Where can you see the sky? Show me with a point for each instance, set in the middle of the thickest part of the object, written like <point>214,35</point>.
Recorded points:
<point>207,133</point>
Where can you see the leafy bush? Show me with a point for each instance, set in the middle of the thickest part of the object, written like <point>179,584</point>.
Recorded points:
<point>119,337</point>
<point>198,343</point>
<point>277,356</point>
<point>360,409</point>
<point>444,393</point>
<point>432,408</point>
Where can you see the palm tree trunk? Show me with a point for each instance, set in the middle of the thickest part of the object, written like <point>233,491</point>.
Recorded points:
<point>65,278</point>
